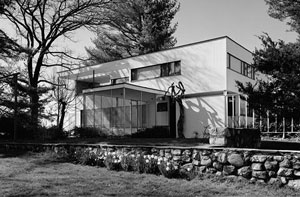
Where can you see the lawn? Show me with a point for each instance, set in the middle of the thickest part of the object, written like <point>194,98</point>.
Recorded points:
<point>43,174</point>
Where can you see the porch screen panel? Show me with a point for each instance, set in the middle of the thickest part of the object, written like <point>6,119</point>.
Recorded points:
<point>98,111</point>
<point>127,113</point>
<point>106,112</point>
<point>89,111</point>
<point>134,114</point>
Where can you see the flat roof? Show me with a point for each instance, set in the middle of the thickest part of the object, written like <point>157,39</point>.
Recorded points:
<point>126,86</point>
<point>181,46</point>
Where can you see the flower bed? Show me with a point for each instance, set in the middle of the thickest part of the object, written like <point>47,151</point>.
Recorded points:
<point>268,166</point>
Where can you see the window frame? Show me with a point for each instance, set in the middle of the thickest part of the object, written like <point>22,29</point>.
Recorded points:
<point>164,70</point>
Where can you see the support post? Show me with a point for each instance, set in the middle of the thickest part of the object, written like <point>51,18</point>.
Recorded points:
<point>84,111</point>
<point>246,113</point>
<point>283,127</point>
<point>239,110</point>
<point>124,120</point>
<point>268,121</point>
<point>226,108</point>
<point>276,123</point>
<point>233,112</point>
<point>253,119</point>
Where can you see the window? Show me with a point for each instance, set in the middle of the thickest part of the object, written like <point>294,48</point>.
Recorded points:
<point>146,73</point>
<point>240,67</point>
<point>119,80</point>
<point>161,107</point>
<point>161,70</point>
<point>235,64</point>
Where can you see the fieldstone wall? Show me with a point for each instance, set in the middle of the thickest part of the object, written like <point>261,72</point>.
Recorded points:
<point>273,167</point>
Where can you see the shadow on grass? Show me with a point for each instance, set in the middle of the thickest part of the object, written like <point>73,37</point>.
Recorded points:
<point>11,153</point>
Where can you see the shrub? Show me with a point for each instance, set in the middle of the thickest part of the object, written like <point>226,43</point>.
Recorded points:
<point>112,162</point>
<point>188,173</point>
<point>151,166</point>
<point>168,168</point>
<point>154,132</point>
<point>140,164</point>
<point>88,132</point>
<point>128,162</point>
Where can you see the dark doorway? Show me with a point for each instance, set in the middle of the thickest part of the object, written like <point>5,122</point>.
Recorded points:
<point>172,118</point>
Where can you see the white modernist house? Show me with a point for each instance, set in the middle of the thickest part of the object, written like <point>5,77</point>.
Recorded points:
<point>128,95</point>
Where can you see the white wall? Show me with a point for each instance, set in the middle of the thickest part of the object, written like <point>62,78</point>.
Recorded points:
<point>201,112</point>
<point>203,67</point>
<point>232,76</point>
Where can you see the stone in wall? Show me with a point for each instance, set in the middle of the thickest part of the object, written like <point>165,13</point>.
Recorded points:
<point>257,166</point>
<point>286,163</point>
<point>161,153</point>
<point>211,170</point>
<point>228,169</point>
<point>176,152</point>
<point>278,158</point>
<point>272,173</point>
<point>206,153</point>
<point>218,166</point>
<point>196,162</point>
<point>196,155</point>
<point>297,173</point>
<point>168,155</point>
<point>202,169</point>
<point>271,165</point>
<point>285,172</point>
<point>186,158</point>
<point>187,152</point>
<point>206,161</point>
<point>222,157</point>
<point>176,158</point>
<point>235,160</point>
<point>245,171</point>
<point>259,158</point>
<point>294,183</point>
<point>296,165</point>
<point>188,166</point>
<point>260,174</point>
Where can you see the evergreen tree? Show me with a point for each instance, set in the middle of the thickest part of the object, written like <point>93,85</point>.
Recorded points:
<point>135,27</point>
<point>279,92</point>
<point>286,10</point>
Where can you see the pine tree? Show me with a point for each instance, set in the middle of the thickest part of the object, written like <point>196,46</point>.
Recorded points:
<point>136,27</point>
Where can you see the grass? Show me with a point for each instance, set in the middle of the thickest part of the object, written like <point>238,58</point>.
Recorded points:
<point>43,174</point>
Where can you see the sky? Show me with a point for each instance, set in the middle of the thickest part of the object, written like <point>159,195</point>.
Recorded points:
<point>198,20</point>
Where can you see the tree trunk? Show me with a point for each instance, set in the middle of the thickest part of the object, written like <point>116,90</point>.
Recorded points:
<point>181,118</point>
<point>34,111</point>
<point>62,116</point>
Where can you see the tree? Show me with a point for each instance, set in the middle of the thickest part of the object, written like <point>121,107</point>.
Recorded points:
<point>280,93</point>
<point>280,62</point>
<point>64,95</point>
<point>286,9</point>
<point>176,96</point>
<point>135,27</point>
<point>39,25</point>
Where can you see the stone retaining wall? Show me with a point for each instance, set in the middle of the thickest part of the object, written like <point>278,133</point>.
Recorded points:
<point>267,166</point>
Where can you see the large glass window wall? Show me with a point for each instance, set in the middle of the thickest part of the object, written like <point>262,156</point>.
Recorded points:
<point>119,111</point>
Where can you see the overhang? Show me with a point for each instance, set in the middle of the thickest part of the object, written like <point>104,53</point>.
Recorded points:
<point>126,86</point>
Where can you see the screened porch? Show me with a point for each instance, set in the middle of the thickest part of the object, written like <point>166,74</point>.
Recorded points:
<point>123,109</point>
